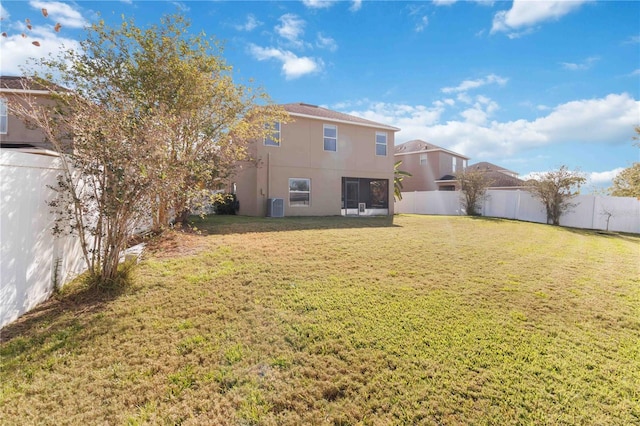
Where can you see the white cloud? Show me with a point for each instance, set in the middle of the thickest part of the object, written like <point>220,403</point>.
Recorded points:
<point>17,51</point>
<point>4,14</point>
<point>634,73</point>
<point>603,177</point>
<point>412,119</point>
<point>588,63</point>
<point>251,24</point>
<point>607,120</point>
<point>291,28</point>
<point>293,66</point>
<point>480,111</point>
<point>632,40</point>
<point>422,24</point>
<point>356,5</point>
<point>181,6</point>
<point>526,13</point>
<point>61,12</point>
<point>326,43</point>
<point>473,84</point>
<point>318,4</point>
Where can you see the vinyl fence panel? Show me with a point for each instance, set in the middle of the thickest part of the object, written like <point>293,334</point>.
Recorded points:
<point>590,212</point>
<point>32,260</point>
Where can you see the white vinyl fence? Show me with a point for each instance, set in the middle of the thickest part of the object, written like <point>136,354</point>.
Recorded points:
<point>590,212</point>
<point>32,260</point>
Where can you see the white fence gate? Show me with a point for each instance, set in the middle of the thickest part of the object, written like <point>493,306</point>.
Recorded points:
<point>590,212</point>
<point>32,260</point>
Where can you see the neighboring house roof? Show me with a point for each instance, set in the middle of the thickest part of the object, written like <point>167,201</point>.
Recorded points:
<point>313,111</point>
<point>484,165</point>
<point>21,84</point>
<point>499,176</point>
<point>418,145</point>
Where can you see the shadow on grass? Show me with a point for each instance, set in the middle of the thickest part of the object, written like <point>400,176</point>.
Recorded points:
<point>64,314</point>
<point>590,232</point>
<point>605,234</point>
<point>221,224</point>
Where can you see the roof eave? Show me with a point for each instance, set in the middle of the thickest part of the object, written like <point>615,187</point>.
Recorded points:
<point>24,91</point>
<point>433,150</point>
<point>337,120</point>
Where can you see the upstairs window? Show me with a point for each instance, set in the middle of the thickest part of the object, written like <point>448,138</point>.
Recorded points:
<point>454,164</point>
<point>330,137</point>
<point>3,116</point>
<point>381,144</point>
<point>423,159</point>
<point>272,139</point>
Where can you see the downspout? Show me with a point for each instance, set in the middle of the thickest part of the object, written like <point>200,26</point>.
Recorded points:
<point>268,175</point>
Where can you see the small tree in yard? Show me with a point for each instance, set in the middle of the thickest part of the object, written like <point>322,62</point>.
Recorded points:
<point>627,182</point>
<point>154,118</point>
<point>555,190</point>
<point>473,187</point>
<point>398,177</point>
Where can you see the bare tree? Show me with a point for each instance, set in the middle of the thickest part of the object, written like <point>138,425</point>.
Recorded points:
<point>556,189</point>
<point>154,116</point>
<point>473,187</point>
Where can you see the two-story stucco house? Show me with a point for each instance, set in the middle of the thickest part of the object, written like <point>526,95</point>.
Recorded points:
<point>320,163</point>
<point>432,168</point>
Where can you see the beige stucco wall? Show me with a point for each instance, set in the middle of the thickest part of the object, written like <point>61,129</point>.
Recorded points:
<point>423,177</point>
<point>301,154</point>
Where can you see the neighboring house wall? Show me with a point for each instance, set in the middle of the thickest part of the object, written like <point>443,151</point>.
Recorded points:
<point>17,132</point>
<point>301,155</point>
<point>428,164</point>
<point>32,260</point>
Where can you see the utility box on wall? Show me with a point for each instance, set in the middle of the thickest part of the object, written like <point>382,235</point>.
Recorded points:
<point>275,207</point>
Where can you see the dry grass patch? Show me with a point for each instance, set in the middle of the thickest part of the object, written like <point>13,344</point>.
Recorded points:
<point>426,320</point>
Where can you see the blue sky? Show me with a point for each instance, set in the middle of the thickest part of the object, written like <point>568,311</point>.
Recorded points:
<point>528,85</point>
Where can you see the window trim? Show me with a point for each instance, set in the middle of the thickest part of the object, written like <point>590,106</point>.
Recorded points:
<point>324,137</point>
<point>278,142</point>
<point>424,157</point>
<point>386,142</point>
<point>300,192</point>
<point>4,115</point>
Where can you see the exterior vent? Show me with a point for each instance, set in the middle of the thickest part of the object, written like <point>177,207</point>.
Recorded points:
<point>275,207</point>
<point>362,207</point>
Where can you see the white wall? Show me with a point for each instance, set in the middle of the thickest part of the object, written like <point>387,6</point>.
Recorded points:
<point>29,251</point>
<point>589,213</point>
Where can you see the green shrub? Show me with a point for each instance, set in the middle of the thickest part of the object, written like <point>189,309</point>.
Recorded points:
<point>225,204</point>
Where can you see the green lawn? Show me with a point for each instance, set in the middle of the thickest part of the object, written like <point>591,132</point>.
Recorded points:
<point>423,320</point>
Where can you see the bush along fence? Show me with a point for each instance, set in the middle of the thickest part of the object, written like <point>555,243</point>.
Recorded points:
<point>620,214</point>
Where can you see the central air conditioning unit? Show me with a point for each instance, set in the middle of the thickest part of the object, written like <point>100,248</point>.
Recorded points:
<point>275,207</point>
<point>362,207</point>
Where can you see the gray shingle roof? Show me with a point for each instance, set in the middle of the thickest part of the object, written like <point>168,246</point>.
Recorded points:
<point>19,83</point>
<point>420,145</point>
<point>319,112</point>
<point>485,165</point>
